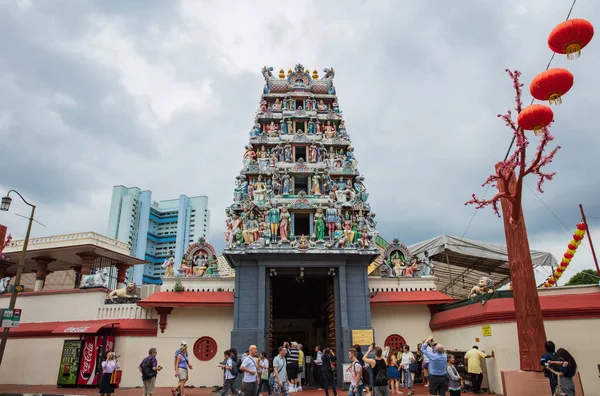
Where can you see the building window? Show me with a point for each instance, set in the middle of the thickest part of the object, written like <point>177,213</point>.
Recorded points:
<point>205,349</point>
<point>395,341</point>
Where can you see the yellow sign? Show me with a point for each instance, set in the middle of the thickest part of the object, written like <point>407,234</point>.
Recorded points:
<point>362,337</point>
<point>487,330</point>
<point>19,288</point>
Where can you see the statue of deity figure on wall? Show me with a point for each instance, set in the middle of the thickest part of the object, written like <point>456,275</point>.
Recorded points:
<point>260,190</point>
<point>332,218</point>
<point>273,130</point>
<point>277,104</point>
<point>316,185</point>
<point>329,130</point>
<point>283,126</point>
<point>322,106</point>
<point>284,224</point>
<point>251,230</point>
<point>263,106</point>
<point>311,127</point>
<point>312,153</point>
<point>249,156</point>
<point>274,219</point>
<point>285,184</point>
<point>256,130</point>
<point>276,186</point>
<point>287,152</point>
<point>361,190</point>
<point>320,224</point>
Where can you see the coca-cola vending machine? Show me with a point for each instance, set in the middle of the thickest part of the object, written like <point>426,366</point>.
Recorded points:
<point>93,354</point>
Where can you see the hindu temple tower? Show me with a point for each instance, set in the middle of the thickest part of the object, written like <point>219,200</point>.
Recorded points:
<point>300,231</point>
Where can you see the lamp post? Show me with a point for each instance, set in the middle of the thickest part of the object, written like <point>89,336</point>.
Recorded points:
<point>4,206</point>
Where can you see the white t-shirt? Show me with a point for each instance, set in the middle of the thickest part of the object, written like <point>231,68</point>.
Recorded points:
<point>407,358</point>
<point>356,371</point>
<point>249,364</point>
<point>228,374</point>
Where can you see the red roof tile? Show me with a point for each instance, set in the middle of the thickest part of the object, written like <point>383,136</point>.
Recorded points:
<point>411,297</point>
<point>188,299</point>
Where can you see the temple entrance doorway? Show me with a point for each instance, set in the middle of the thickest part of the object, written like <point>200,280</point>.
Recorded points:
<point>302,310</point>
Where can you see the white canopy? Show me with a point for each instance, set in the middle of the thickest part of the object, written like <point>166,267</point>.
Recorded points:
<point>460,262</point>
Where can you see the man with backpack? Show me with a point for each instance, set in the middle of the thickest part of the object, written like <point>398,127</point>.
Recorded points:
<point>149,368</point>
<point>358,375</point>
<point>231,371</point>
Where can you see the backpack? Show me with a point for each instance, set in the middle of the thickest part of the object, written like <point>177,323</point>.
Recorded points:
<point>235,368</point>
<point>364,375</point>
<point>381,379</point>
<point>146,369</point>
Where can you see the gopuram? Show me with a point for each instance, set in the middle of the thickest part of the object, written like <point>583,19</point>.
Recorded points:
<point>300,231</point>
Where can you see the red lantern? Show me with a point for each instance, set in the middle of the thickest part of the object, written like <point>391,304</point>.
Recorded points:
<point>551,281</point>
<point>535,117</point>
<point>560,270</point>
<point>570,37</point>
<point>581,226</point>
<point>551,85</point>
<point>568,255</point>
<point>577,237</point>
<point>572,247</point>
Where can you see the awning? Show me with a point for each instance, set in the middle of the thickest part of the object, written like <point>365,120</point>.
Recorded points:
<point>84,327</point>
<point>124,327</point>
<point>188,299</point>
<point>410,298</point>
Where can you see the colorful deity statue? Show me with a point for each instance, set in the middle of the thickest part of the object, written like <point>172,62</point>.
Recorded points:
<point>263,106</point>
<point>283,126</point>
<point>398,265</point>
<point>311,127</point>
<point>290,126</point>
<point>265,234</point>
<point>262,153</point>
<point>321,106</point>
<point>360,189</point>
<point>256,130</point>
<point>250,229</point>
<point>364,239</point>
<point>260,190</point>
<point>339,237</point>
<point>350,158</point>
<point>329,130</point>
<point>285,184</point>
<point>312,157</point>
<point>272,129</point>
<point>331,217</point>
<point>284,224</point>
<point>336,107</point>
<point>348,232</point>
<point>249,156</point>
<point>287,151</point>
<point>320,224</point>
<point>318,127</point>
<point>277,104</point>
<point>274,219</point>
<point>212,270</point>
<point>316,185</point>
<point>233,230</point>
<point>169,264</point>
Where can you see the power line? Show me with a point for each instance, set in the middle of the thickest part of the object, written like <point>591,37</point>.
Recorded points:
<point>547,67</point>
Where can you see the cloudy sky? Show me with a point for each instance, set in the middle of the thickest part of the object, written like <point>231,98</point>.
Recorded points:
<point>162,94</point>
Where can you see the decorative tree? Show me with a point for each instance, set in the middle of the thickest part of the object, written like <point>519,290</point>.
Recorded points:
<point>508,179</point>
<point>585,277</point>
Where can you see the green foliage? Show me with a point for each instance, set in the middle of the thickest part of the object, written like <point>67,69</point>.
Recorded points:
<point>585,277</point>
<point>178,287</point>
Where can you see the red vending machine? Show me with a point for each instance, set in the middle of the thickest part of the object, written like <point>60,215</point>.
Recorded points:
<point>93,354</point>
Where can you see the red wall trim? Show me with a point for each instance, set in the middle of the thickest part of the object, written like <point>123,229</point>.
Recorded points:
<point>555,307</point>
<point>61,291</point>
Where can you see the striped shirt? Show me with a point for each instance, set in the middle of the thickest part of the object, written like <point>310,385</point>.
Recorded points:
<point>292,355</point>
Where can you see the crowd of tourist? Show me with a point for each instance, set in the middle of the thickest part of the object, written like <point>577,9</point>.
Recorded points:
<point>377,372</point>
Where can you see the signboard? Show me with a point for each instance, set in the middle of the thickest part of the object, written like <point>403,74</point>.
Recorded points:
<point>19,288</point>
<point>69,363</point>
<point>362,337</point>
<point>347,373</point>
<point>487,330</point>
<point>11,318</point>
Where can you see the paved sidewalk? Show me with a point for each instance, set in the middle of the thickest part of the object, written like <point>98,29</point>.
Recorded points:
<point>49,390</point>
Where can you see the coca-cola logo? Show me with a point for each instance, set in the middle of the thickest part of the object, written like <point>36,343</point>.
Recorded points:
<point>73,329</point>
<point>88,355</point>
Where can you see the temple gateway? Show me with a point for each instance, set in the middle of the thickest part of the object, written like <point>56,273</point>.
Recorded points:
<point>303,262</point>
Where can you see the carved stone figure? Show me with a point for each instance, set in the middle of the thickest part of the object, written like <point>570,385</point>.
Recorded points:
<point>256,130</point>
<point>311,127</point>
<point>250,230</point>
<point>97,279</point>
<point>332,219</point>
<point>169,264</point>
<point>268,75</point>
<point>398,264</point>
<point>329,130</point>
<point>360,189</point>
<point>263,106</point>
<point>316,185</point>
<point>485,286</point>
<point>125,292</point>
<point>348,227</point>
<point>322,106</point>
<point>272,129</point>
<point>303,243</point>
<point>277,104</point>
<point>288,153</point>
<point>4,282</point>
<point>284,224</point>
<point>290,126</point>
<point>274,219</point>
<point>312,157</point>
<point>426,264</point>
<point>320,224</point>
<point>283,126</point>
<point>364,240</point>
<point>286,184</point>
<point>276,185</point>
<point>260,190</point>
<point>249,156</point>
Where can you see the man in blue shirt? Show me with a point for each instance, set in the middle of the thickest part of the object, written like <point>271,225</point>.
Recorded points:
<point>437,367</point>
<point>547,357</point>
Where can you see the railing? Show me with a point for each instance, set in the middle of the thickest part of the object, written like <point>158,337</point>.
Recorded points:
<point>80,236</point>
<point>200,284</point>
<point>402,284</point>
<point>126,311</point>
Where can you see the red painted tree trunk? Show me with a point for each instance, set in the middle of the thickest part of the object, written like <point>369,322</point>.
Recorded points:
<point>530,324</point>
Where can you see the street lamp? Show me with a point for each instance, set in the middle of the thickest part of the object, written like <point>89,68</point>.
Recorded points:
<point>4,206</point>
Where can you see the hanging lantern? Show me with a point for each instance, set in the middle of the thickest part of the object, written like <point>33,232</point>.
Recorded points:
<point>551,85</point>
<point>568,256</point>
<point>570,37</point>
<point>535,117</point>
